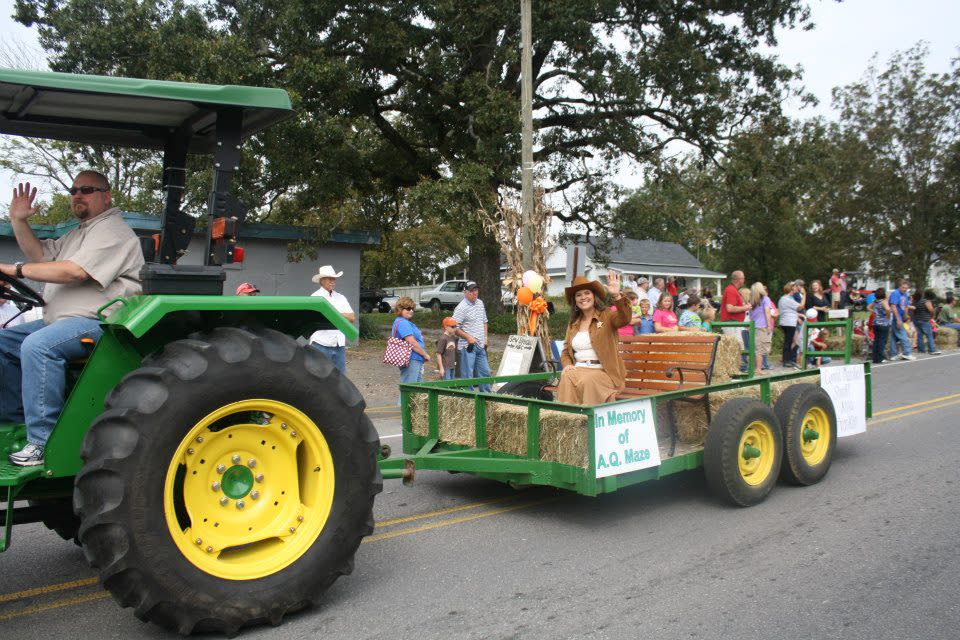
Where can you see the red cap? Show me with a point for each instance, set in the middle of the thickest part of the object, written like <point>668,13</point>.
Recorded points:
<point>245,288</point>
<point>449,322</point>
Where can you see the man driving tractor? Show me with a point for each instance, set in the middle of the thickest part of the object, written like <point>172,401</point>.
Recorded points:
<point>83,270</point>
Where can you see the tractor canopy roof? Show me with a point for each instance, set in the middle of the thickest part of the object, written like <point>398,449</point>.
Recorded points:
<point>130,112</point>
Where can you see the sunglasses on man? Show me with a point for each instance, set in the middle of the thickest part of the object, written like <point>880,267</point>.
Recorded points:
<point>86,190</point>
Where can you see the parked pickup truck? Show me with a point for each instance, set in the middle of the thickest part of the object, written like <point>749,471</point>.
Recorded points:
<point>445,295</point>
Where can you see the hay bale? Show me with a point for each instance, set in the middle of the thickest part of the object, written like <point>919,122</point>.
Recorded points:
<point>455,417</point>
<point>563,436</point>
<point>838,343</point>
<point>727,363</point>
<point>946,338</point>
<point>692,419</point>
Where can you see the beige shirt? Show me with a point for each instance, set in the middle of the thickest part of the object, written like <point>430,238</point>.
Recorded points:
<point>109,251</point>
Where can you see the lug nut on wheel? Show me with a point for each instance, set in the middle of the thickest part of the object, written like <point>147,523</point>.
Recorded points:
<point>215,486</point>
<point>254,494</point>
<point>224,502</point>
<point>240,504</point>
<point>221,468</point>
<point>199,541</point>
<point>259,477</point>
<point>235,459</point>
<point>251,463</point>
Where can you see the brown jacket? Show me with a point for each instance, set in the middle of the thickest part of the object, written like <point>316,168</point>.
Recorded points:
<point>605,340</point>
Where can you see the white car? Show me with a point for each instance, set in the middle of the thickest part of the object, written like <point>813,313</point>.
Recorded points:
<point>445,295</point>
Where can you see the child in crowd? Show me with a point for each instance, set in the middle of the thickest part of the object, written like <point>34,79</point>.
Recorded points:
<point>689,319</point>
<point>707,315</point>
<point>665,318</point>
<point>817,341</point>
<point>447,350</point>
<point>646,318</point>
<point>628,329</point>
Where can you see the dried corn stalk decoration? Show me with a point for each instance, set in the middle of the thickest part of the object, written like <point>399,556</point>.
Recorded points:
<point>506,226</point>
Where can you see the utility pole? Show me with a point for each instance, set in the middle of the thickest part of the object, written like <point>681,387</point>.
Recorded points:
<point>526,116</point>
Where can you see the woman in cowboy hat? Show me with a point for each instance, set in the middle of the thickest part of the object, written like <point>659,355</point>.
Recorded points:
<point>593,371</point>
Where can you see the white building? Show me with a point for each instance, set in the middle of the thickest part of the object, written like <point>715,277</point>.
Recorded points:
<point>649,258</point>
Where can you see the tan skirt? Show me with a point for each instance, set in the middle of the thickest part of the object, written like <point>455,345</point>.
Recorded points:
<point>587,386</point>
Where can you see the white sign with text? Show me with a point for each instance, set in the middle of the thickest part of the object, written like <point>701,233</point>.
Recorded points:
<point>625,438</point>
<point>847,388</point>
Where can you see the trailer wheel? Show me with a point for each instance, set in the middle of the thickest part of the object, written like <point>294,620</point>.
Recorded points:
<point>809,433</point>
<point>61,519</point>
<point>527,389</point>
<point>742,452</point>
<point>229,482</point>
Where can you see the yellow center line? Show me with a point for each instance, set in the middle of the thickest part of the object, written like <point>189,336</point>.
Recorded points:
<point>52,588</point>
<point>56,604</point>
<point>915,404</point>
<point>440,512</point>
<point>910,413</point>
<point>452,521</point>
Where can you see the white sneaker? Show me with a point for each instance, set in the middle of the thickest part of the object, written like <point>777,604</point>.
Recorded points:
<point>935,353</point>
<point>30,456</point>
<point>909,357</point>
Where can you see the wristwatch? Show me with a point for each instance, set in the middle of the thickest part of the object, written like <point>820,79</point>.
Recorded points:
<point>19,267</point>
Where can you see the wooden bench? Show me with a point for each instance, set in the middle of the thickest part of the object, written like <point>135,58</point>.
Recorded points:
<point>662,362</point>
<point>666,362</point>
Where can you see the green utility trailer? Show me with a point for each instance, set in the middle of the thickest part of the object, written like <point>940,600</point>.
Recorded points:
<point>782,426</point>
<point>216,472</point>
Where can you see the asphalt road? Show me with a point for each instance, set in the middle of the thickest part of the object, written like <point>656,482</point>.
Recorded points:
<point>870,552</point>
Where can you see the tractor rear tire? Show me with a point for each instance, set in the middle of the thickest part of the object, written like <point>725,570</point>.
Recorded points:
<point>239,428</point>
<point>809,426</point>
<point>743,451</point>
<point>62,520</point>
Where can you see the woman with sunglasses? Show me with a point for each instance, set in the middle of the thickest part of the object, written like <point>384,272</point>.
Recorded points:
<point>404,329</point>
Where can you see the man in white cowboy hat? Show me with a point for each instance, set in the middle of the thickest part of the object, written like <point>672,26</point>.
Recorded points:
<point>332,342</point>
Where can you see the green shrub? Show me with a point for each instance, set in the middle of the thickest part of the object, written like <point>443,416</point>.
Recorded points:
<point>369,328</point>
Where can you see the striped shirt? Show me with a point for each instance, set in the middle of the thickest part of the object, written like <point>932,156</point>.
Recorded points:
<point>471,317</point>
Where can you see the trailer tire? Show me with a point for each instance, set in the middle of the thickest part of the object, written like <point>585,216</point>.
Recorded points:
<point>527,389</point>
<point>294,503</point>
<point>742,452</point>
<point>809,425</point>
<point>62,520</point>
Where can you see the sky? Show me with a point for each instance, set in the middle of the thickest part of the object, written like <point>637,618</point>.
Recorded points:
<point>835,53</point>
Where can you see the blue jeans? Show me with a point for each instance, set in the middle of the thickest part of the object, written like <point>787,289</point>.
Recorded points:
<point>33,363</point>
<point>337,355</point>
<point>899,334</point>
<point>474,364</point>
<point>413,372</point>
<point>448,373</point>
<point>880,333</point>
<point>925,330</point>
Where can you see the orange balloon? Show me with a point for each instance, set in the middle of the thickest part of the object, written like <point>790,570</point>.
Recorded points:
<point>524,296</point>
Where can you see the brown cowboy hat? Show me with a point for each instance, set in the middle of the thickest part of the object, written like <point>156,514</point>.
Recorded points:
<point>580,282</point>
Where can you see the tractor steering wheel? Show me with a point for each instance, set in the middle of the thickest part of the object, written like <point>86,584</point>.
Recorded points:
<point>20,292</point>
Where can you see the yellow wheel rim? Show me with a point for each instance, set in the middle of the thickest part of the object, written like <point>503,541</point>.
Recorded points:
<point>756,453</point>
<point>249,489</point>
<point>814,436</point>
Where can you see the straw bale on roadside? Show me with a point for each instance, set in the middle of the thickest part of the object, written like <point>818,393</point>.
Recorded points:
<point>946,338</point>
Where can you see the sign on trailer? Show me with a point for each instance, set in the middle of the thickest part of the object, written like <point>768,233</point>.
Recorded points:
<point>847,390</point>
<point>625,438</point>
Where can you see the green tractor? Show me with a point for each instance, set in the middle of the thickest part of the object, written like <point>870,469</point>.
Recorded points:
<point>216,472</point>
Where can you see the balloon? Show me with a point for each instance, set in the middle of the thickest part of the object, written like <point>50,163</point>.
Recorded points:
<point>533,281</point>
<point>524,296</point>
